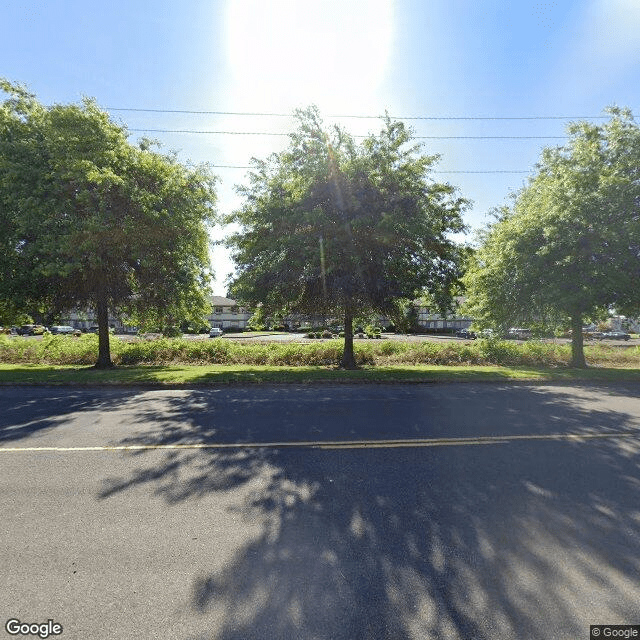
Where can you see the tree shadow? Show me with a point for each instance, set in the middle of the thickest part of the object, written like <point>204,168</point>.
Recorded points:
<point>302,413</point>
<point>427,555</point>
<point>512,539</point>
<point>26,412</point>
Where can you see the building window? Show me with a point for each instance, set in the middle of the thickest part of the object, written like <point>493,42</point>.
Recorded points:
<point>217,310</point>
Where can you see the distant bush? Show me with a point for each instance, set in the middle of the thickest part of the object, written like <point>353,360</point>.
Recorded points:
<point>53,349</point>
<point>83,350</point>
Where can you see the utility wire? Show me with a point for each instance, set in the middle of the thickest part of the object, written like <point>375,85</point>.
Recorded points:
<point>228,133</point>
<point>487,171</point>
<point>266,133</point>
<point>235,166</point>
<point>366,117</point>
<point>287,115</point>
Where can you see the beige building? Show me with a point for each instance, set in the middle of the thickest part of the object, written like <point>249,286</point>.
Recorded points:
<point>432,321</point>
<point>226,314</point>
<point>86,320</point>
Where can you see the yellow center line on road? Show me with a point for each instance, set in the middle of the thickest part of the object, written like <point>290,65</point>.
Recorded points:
<point>338,444</point>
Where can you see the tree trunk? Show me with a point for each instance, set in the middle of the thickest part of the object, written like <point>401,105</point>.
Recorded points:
<point>102,311</point>
<point>577,342</point>
<point>348,358</point>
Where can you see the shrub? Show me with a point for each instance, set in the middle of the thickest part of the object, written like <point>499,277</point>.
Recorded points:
<point>83,350</point>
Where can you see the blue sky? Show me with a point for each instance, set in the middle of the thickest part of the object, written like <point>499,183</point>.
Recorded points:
<point>435,58</point>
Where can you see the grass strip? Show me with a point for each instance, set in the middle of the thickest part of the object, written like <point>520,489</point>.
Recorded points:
<point>189,375</point>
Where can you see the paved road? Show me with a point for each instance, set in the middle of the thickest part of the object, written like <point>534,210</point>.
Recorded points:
<point>430,511</point>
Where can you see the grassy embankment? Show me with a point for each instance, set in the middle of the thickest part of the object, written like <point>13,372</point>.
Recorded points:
<point>62,359</point>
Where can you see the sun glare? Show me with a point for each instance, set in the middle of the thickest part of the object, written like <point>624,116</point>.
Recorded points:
<point>285,54</point>
<point>288,54</point>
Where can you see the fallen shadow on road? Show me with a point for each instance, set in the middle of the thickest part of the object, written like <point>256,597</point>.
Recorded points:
<point>26,412</point>
<point>519,540</point>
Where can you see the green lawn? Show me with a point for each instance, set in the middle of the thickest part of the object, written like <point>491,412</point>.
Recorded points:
<point>224,374</point>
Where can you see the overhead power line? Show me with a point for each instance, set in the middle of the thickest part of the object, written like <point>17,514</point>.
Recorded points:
<point>483,171</point>
<point>288,115</point>
<point>227,133</point>
<point>235,166</point>
<point>366,117</point>
<point>267,133</point>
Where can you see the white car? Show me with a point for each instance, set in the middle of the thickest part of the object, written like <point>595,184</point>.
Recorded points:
<point>215,332</point>
<point>63,329</point>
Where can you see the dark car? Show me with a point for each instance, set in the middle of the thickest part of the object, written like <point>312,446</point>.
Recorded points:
<point>615,335</point>
<point>25,329</point>
<point>96,329</point>
<point>31,330</point>
<point>518,334</point>
<point>466,334</point>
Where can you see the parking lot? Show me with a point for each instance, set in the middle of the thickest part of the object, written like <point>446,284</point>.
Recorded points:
<point>300,337</point>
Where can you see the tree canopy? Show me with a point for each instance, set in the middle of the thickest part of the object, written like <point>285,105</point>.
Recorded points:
<point>88,219</point>
<point>569,246</point>
<point>332,226</point>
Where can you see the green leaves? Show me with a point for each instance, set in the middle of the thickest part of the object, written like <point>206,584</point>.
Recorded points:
<point>91,220</point>
<point>570,245</point>
<point>330,225</point>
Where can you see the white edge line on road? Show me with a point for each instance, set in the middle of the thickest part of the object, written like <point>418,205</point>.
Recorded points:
<point>336,444</point>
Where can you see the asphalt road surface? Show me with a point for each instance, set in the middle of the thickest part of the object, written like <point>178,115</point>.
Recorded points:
<point>321,512</point>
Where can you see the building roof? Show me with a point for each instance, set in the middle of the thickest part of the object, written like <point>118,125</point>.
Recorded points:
<point>220,301</point>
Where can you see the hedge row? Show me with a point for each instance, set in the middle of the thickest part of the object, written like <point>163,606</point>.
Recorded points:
<point>84,350</point>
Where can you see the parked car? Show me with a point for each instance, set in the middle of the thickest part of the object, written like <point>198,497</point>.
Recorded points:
<point>215,332</point>
<point>65,330</point>
<point>96,329</point>
<point>25,329</point>
<point>60,329</point>
<point>615,335</point>
<point>518,334</point>
<point>466,334</point>
<point>31,330</point>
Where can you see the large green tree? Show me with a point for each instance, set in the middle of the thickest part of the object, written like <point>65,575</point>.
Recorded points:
<point>88,219</point>
<point>569,246</point>
<point>330,226</point>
